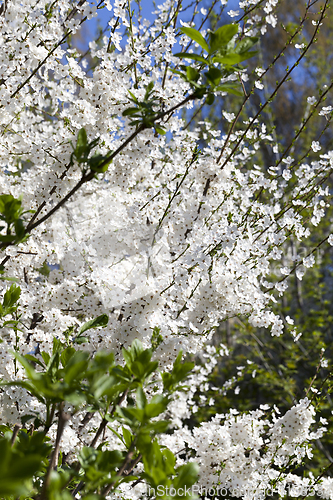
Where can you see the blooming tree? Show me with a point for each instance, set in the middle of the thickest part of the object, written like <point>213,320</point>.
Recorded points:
<point>131,235</point>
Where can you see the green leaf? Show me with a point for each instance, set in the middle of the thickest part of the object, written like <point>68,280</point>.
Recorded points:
<point>179,372</point>
<point>132,415</point>
<point>130,111</point>
<point>127,357</point>
<point>136,348</point>
<point>196,36</point>
<point>33,359</point>
<point>222,36</point>
<point>46,357</point>
<point>15,469</point>
<point>26,418</point>
<point>103,361</point>
<point>200,92</point>
<point>187,475</point>
<point>104,385</point>
<point>169,461</point>
<point>76,366</point>
<point>9,278</point>
<point>66,355</point>
<point>93,143</point>
<point>100,321</point>
<point>27,386</point>
<point>53,365</point>
<point>156,427</point>
<point>214,75</point>
<point>149,89</point>
<point>98,163</point>
<point>210,99</point>
<point>7,238</point>
<point>232,58</point>
<point>81,340</point>
<point>109,460</point>
<point>4,200</point>
<point>141,398</point>
<point>138,369</point>
<point>153,410</point>
<point>10,208</point>
<point>156,338</point>
<point>159,130</point>
<point>81,143</point>
<point>29,369</point>
<point>229,89</point>
<point>133,98</point>
<point>192,74</point>
<point>128,437</point>
<point>57,345</point>
<point>11,296</point>
<point>195,57</point>
<point>19,229</point>
<point>142,366</point>
<point>75,398</point>
<point>246,44</point>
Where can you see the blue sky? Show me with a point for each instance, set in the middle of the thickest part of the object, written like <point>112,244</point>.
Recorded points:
<point>147,7</point>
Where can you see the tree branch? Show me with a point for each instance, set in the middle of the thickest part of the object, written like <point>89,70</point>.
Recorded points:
<point>63,419</point>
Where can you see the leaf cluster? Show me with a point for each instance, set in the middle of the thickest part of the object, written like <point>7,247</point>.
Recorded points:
<point>121,394</point>
<point>21,461</point>
<point>220,59</point>
<point>143,112</point>
<point>82,153</point>
<point>11,213</point>
<point>9,306</point>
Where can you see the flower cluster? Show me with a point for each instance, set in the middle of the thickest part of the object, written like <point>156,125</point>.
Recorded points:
<point>160,224</point>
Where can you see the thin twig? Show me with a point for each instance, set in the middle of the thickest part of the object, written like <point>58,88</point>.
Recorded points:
<point>16,430</point>
<point>277,88</point>
<point>121,471</point>
<point>63,419</point>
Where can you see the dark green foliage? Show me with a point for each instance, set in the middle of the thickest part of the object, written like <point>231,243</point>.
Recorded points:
<point>9,306</point>
<point>11,213</point>
<point>144,112</point>
<point>21,462</point>
<point>82,153</point>
<point>277,370</point>
<point>93,384</point>
<point>220,48</point>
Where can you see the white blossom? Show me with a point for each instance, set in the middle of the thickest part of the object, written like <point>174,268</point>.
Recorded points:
<point>165,237</point>
<point>315,146</point>
<point>311,100</point>
<point>325,110</point>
